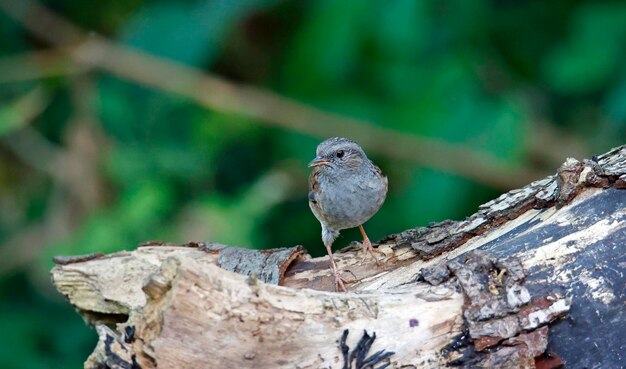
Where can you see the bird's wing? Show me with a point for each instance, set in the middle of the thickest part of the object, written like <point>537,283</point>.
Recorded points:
<point>313,185</point>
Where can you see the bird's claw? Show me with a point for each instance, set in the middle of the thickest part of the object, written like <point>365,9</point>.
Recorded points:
<point>339,285</point>
<point>366,248</point>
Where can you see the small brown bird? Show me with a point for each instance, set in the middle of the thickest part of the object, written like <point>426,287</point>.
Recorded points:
<point>345,190</point>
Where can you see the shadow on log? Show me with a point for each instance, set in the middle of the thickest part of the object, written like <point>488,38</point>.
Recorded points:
<point>534,279</point>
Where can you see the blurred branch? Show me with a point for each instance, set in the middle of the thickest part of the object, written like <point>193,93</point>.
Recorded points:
<point>549,144</point>
<point>25,142</point>
<point>23,245</point>
<point>23,110</point>
<point>36,65</point>
<point>36,151</point>
<point>215,93</point>
<point>77,187</point>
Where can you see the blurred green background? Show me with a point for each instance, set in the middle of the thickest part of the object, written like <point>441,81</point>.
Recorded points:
<point>101,155</point>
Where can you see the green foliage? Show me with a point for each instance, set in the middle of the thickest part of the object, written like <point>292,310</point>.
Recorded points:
<point>39,332</point>
<point>593,51</point>
<point>90,162</point>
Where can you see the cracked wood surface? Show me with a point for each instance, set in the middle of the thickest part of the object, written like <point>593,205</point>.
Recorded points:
<point>554,246</point>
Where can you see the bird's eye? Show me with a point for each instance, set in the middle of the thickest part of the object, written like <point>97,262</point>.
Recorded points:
<point>340,154</point>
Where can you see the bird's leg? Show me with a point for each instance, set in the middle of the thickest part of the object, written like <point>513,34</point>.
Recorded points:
<point>366,246</point>
<point>339,286</point>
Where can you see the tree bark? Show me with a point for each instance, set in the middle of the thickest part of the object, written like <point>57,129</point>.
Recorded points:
<point>534,279</point>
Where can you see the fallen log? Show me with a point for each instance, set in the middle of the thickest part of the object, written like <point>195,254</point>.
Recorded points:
<point>534,279</point>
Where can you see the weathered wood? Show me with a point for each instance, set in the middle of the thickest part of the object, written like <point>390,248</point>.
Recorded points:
<point>524,260</point>
<point>241,323</point>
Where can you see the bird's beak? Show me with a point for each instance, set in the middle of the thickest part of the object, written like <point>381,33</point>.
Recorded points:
<point>318,161</point>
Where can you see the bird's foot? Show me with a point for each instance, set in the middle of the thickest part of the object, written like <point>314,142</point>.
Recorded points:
<point>366,248</point>
<point>339,282</point>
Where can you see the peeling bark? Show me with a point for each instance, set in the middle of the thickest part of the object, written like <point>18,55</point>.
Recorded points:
<point>534,279</point>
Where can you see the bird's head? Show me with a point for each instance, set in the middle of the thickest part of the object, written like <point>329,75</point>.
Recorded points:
<point>339,153</point>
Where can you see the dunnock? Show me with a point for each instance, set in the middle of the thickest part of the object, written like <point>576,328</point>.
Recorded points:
<point>346,190</point>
